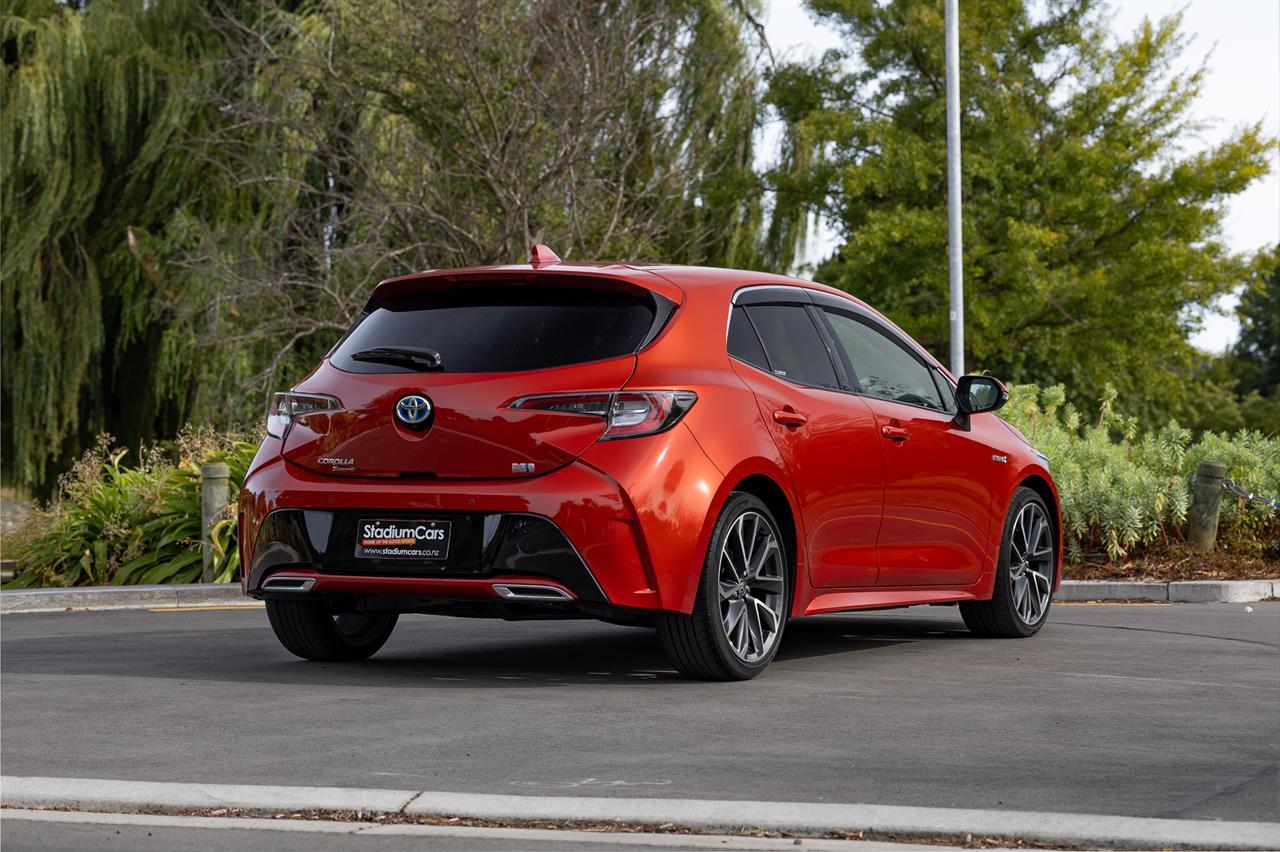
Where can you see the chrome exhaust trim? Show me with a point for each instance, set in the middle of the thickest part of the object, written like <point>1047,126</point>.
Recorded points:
<point>288,583</point>
<point>530,592</point>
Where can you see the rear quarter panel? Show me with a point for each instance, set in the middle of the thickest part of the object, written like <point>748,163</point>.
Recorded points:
<point>678,506</point>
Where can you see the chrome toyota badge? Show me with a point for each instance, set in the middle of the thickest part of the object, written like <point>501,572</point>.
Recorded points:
<point>413,410</point>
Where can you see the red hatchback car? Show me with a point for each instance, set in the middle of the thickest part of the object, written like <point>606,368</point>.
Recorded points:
<point>708,451</point>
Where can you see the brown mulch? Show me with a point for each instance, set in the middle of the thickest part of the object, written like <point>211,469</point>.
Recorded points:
<point>1179,562</point>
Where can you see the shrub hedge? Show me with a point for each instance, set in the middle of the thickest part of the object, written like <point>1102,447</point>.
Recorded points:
<point>1123,493</point>
<point>114,524</point>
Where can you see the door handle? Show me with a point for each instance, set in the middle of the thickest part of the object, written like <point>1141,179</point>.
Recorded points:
<point>789,417</point>
<point>895,433</point>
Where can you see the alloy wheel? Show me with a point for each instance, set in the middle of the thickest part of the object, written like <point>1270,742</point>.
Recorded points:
<point>752,587</point>
<point>1031,563</point>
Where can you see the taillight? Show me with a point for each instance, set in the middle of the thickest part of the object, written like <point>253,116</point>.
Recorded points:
<point>289,406</point>
<point>628,414</point>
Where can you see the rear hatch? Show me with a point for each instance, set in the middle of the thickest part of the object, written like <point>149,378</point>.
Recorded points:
<point>472,347</point>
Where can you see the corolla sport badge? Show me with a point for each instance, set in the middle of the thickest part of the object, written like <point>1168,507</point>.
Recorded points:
<point>413,410</point>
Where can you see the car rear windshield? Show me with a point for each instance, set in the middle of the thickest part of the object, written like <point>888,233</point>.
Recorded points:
<point>478,329</point>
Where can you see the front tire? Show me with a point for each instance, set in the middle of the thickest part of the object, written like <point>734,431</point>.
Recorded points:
<point>312,630</point>
<point>743,599</point>
<point>1023,589</point>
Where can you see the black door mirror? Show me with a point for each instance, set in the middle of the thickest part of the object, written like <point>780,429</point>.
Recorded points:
<point>976,394</point>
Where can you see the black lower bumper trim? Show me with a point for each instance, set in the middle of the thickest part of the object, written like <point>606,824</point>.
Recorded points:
<point>484,545</point>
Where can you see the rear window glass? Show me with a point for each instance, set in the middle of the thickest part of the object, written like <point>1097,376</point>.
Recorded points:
<point>496,330</point>
<point>744,343</point>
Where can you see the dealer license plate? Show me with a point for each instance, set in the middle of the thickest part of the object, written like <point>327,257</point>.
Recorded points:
<point>402,539</point>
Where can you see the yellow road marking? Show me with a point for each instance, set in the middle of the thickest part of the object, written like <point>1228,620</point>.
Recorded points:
<point>1112,603</point>
<point>256,605</point>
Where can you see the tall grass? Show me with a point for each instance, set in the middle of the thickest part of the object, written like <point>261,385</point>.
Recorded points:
<point>1124,493</point>
<point>113,524</point>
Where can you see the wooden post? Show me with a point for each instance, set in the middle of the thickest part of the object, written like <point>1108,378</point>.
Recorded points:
<point>214,496</point>
<point>1206,501</point>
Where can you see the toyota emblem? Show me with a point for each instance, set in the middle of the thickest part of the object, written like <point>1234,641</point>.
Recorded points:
<point>413,410</point>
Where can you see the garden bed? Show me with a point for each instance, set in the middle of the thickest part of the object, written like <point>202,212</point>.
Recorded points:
<point>1178,563</point>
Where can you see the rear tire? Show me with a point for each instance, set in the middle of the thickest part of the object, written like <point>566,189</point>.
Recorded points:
<point>1020,599</point>
<point>743,599</point>
<point>311,630</point>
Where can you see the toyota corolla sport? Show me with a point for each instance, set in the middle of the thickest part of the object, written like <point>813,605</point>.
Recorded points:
<point>705,451</point>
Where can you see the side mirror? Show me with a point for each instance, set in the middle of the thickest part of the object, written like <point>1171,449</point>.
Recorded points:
<point>976,394</point>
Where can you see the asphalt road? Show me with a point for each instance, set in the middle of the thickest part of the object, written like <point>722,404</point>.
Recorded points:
<point>1157,710</point>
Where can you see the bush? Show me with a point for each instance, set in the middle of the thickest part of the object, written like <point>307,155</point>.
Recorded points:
<point>1123,493</point>
<point>112,524</point>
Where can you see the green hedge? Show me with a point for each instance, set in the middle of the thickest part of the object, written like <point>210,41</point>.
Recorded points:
<point>115,524</point>
<point>1124,493</point>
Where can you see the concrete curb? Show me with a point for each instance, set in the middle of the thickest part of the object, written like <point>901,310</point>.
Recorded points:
<point>228,594</point>
<point>123,597</point>
<point>95,794</point>
<point>1183,591</point>
<point>791,817</point>
<point>1205,591</point>
<point>415,835</point>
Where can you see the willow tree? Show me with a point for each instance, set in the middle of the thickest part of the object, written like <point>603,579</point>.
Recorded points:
<point>1091,231</point>
<point>94,101</point>
<point>199,197</point>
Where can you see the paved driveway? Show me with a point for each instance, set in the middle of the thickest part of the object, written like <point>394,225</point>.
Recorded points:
<point>1157,710</point>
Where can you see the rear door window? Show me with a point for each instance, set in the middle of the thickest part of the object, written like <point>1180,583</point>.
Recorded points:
<point>793,343</point>
<point>477,329</point>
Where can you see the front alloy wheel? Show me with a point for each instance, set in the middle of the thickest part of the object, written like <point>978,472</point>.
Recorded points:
<point>742,602</point>
<point>1031,563</point>
<point>1024,575</point>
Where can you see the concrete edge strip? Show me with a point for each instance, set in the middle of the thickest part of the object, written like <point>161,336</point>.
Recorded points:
<point>517,837</point>
<point>1181,591</point>
<point>99,794</point>
<point>99,598</point>
<point>793,817</point>
<point>96,598</point>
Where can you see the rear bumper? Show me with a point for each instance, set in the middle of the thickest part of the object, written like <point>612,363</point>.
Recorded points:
<point>491,553</point>
<point>571,531</point>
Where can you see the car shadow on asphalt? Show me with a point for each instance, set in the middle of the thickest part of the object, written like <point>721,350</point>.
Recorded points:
<point>422,654</point>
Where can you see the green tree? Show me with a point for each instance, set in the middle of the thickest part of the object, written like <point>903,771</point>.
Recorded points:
<point>1257,352</point>
<point>379,138</point>
<point>1089,232</point>
<point>198,198</point>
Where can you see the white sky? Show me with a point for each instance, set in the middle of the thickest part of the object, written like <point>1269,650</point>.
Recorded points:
<point>1242,39</point>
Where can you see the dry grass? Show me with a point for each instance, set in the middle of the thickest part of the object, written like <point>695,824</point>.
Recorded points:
<point>13,509</point>
<point>966,841</point>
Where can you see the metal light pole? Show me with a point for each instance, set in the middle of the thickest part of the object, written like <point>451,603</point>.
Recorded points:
<point>955,235</point>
